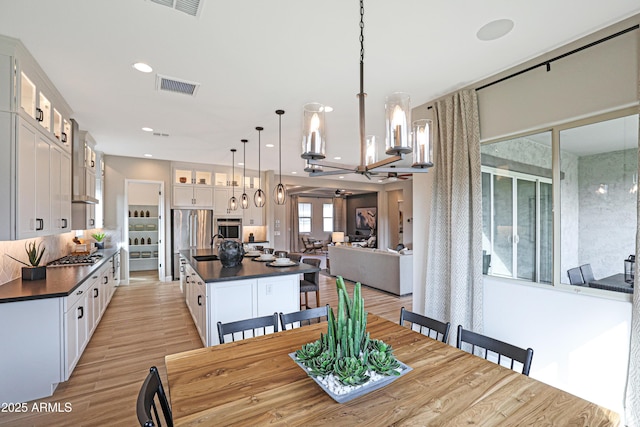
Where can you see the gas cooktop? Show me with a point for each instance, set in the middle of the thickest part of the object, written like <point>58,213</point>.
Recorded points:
<point>71,260</point>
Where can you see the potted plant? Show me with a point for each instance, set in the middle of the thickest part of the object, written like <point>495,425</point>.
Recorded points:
<point>33,270</point>
<point>99,239</point>
<point>346,362</point>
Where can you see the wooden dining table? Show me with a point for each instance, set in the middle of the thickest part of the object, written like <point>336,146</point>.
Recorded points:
<point>255,382</point>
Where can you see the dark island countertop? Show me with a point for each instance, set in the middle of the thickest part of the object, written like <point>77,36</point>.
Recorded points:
<point>213,271</point>
<point>60,281</point>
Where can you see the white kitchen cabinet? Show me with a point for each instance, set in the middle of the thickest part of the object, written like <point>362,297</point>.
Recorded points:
<point>32,124</point>
<point>76,330</point>
<point>192,196</point>
<point>221,196</point>
<point>84,167</point>
<point>196,299</point>
<point>253,216</point>
<point>34,191</point>
<point>83,216</point>
<point>60,190</point>
<point>228,301</point>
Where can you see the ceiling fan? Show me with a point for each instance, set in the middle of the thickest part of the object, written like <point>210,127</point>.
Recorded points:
<point>394,176</point>
<point>340,192</point>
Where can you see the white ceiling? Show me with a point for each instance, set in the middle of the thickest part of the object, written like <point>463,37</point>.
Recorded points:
<point>252,57</point>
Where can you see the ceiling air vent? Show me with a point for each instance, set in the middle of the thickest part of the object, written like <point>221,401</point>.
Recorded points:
<point>190,7</point>
<point>170,84</point>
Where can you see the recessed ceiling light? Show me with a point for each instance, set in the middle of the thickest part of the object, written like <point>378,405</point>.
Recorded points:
<point>379,180</point>
<point>269,145</point>
<point>294,173</point>
<point>341,177</point>
<point>240,164</point>
<point>142,67</point>
<point>147,129</point>
<point>148,155</point>
<point>337,158</point>
<point>495,29</point>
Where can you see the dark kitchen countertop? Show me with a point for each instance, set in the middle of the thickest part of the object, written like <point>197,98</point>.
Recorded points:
<point>60,281</point>
<point>212,271</point>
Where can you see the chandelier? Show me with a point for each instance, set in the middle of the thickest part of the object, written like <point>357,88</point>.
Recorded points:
<point>402,136</point>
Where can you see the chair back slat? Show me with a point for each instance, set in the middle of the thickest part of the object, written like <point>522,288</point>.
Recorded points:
<point>501,348</point>
<point>441,329</point>
<point>244,326</point>
<point>304,317</point>
<point>146,408</point>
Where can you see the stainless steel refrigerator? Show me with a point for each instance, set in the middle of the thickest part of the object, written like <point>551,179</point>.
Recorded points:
<point>191,229</point>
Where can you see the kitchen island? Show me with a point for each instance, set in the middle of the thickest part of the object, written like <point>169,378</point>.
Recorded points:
<point>214,293</point>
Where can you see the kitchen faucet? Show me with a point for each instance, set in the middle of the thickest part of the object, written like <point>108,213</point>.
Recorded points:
<point>213,238</point>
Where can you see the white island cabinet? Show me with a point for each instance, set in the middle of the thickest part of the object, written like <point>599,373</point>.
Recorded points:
<point>214,294</point>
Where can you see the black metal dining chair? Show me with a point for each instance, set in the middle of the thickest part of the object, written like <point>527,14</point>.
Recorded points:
<point>146,407</point>
<point>496,347</point>
<point>247,325</point>
<point>304,317</point>
<point>311,282</point>
<point>434,328</point>
<point>587,273</point>
<point>575,276</point>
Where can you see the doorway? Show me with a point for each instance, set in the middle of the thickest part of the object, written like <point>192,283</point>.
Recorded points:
<point>144,228</point>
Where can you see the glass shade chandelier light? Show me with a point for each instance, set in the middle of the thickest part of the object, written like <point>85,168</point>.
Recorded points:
<point>244,199</point>
<point>259,197</point>
<point>280,192</point>
<point>402,136</point>
<point>233,202</point>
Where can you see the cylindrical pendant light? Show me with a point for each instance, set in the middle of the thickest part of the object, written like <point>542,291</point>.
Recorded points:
<point>397,119</point>
<point>422,132</point>
<point>259,196</point>
<point>244,200</point>
<point>313,139</point>
<point>280,192</point>
<point>233,202</point>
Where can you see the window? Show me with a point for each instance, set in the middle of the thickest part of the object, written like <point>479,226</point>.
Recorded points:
<point>593,183</point>
<point>598,197</point>
<point>304,217</point>
<point>327,217</point>
<point>517,216</point>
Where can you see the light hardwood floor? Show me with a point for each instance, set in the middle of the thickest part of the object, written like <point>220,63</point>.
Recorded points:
<point>144,322</point>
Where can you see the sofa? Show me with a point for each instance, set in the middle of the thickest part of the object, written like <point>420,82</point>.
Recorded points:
<point>377,268</point>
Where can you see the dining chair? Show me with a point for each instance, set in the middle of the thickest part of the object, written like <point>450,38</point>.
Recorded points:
<point>499,348</point>
<point>575,276</point>
<point>587,273</point>
<point>295,257</point>
<point>246,325</point>
<point>434,328</point>
<point>146,407</point>
<point>311,282</point>
<point>304,317</point>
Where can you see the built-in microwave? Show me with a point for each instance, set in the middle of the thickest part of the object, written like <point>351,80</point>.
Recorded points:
<point>230,228</point>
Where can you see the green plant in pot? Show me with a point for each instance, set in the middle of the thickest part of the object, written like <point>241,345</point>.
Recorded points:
<point>33,270</point>
<point>99,239</point>
<point>346,352</point>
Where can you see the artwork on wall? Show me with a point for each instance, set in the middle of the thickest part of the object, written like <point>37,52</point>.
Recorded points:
<point>366,219</point>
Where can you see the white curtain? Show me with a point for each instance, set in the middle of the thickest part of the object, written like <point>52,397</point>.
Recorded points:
<point>632,395</point>
<point>454,276</point>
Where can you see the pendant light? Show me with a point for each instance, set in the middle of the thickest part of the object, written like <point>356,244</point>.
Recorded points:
<point>259,196</point>
<point>233,202</point>
<point>244,200</point>
<point>280,192</point>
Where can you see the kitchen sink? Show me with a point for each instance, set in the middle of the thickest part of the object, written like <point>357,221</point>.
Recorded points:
<point>206,257</point>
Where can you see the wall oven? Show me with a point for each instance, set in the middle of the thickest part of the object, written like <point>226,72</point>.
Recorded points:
<point>230,228</point>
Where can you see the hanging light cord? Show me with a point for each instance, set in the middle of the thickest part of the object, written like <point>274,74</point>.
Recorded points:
<point>362,95</point>
<point>233,173</point>
<point>244,167</point>
<point>280,142</point>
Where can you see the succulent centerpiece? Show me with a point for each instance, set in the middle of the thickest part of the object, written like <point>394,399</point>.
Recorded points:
<point>345,361</point>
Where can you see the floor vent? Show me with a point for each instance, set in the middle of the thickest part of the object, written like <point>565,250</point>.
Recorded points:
<point>190,7</point>
<point>171,84</point>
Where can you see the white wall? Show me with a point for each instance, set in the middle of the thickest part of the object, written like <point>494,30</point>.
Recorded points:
<point>580,342</point>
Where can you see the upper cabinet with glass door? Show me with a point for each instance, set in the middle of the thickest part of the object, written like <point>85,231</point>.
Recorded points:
<point>40,101</point>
